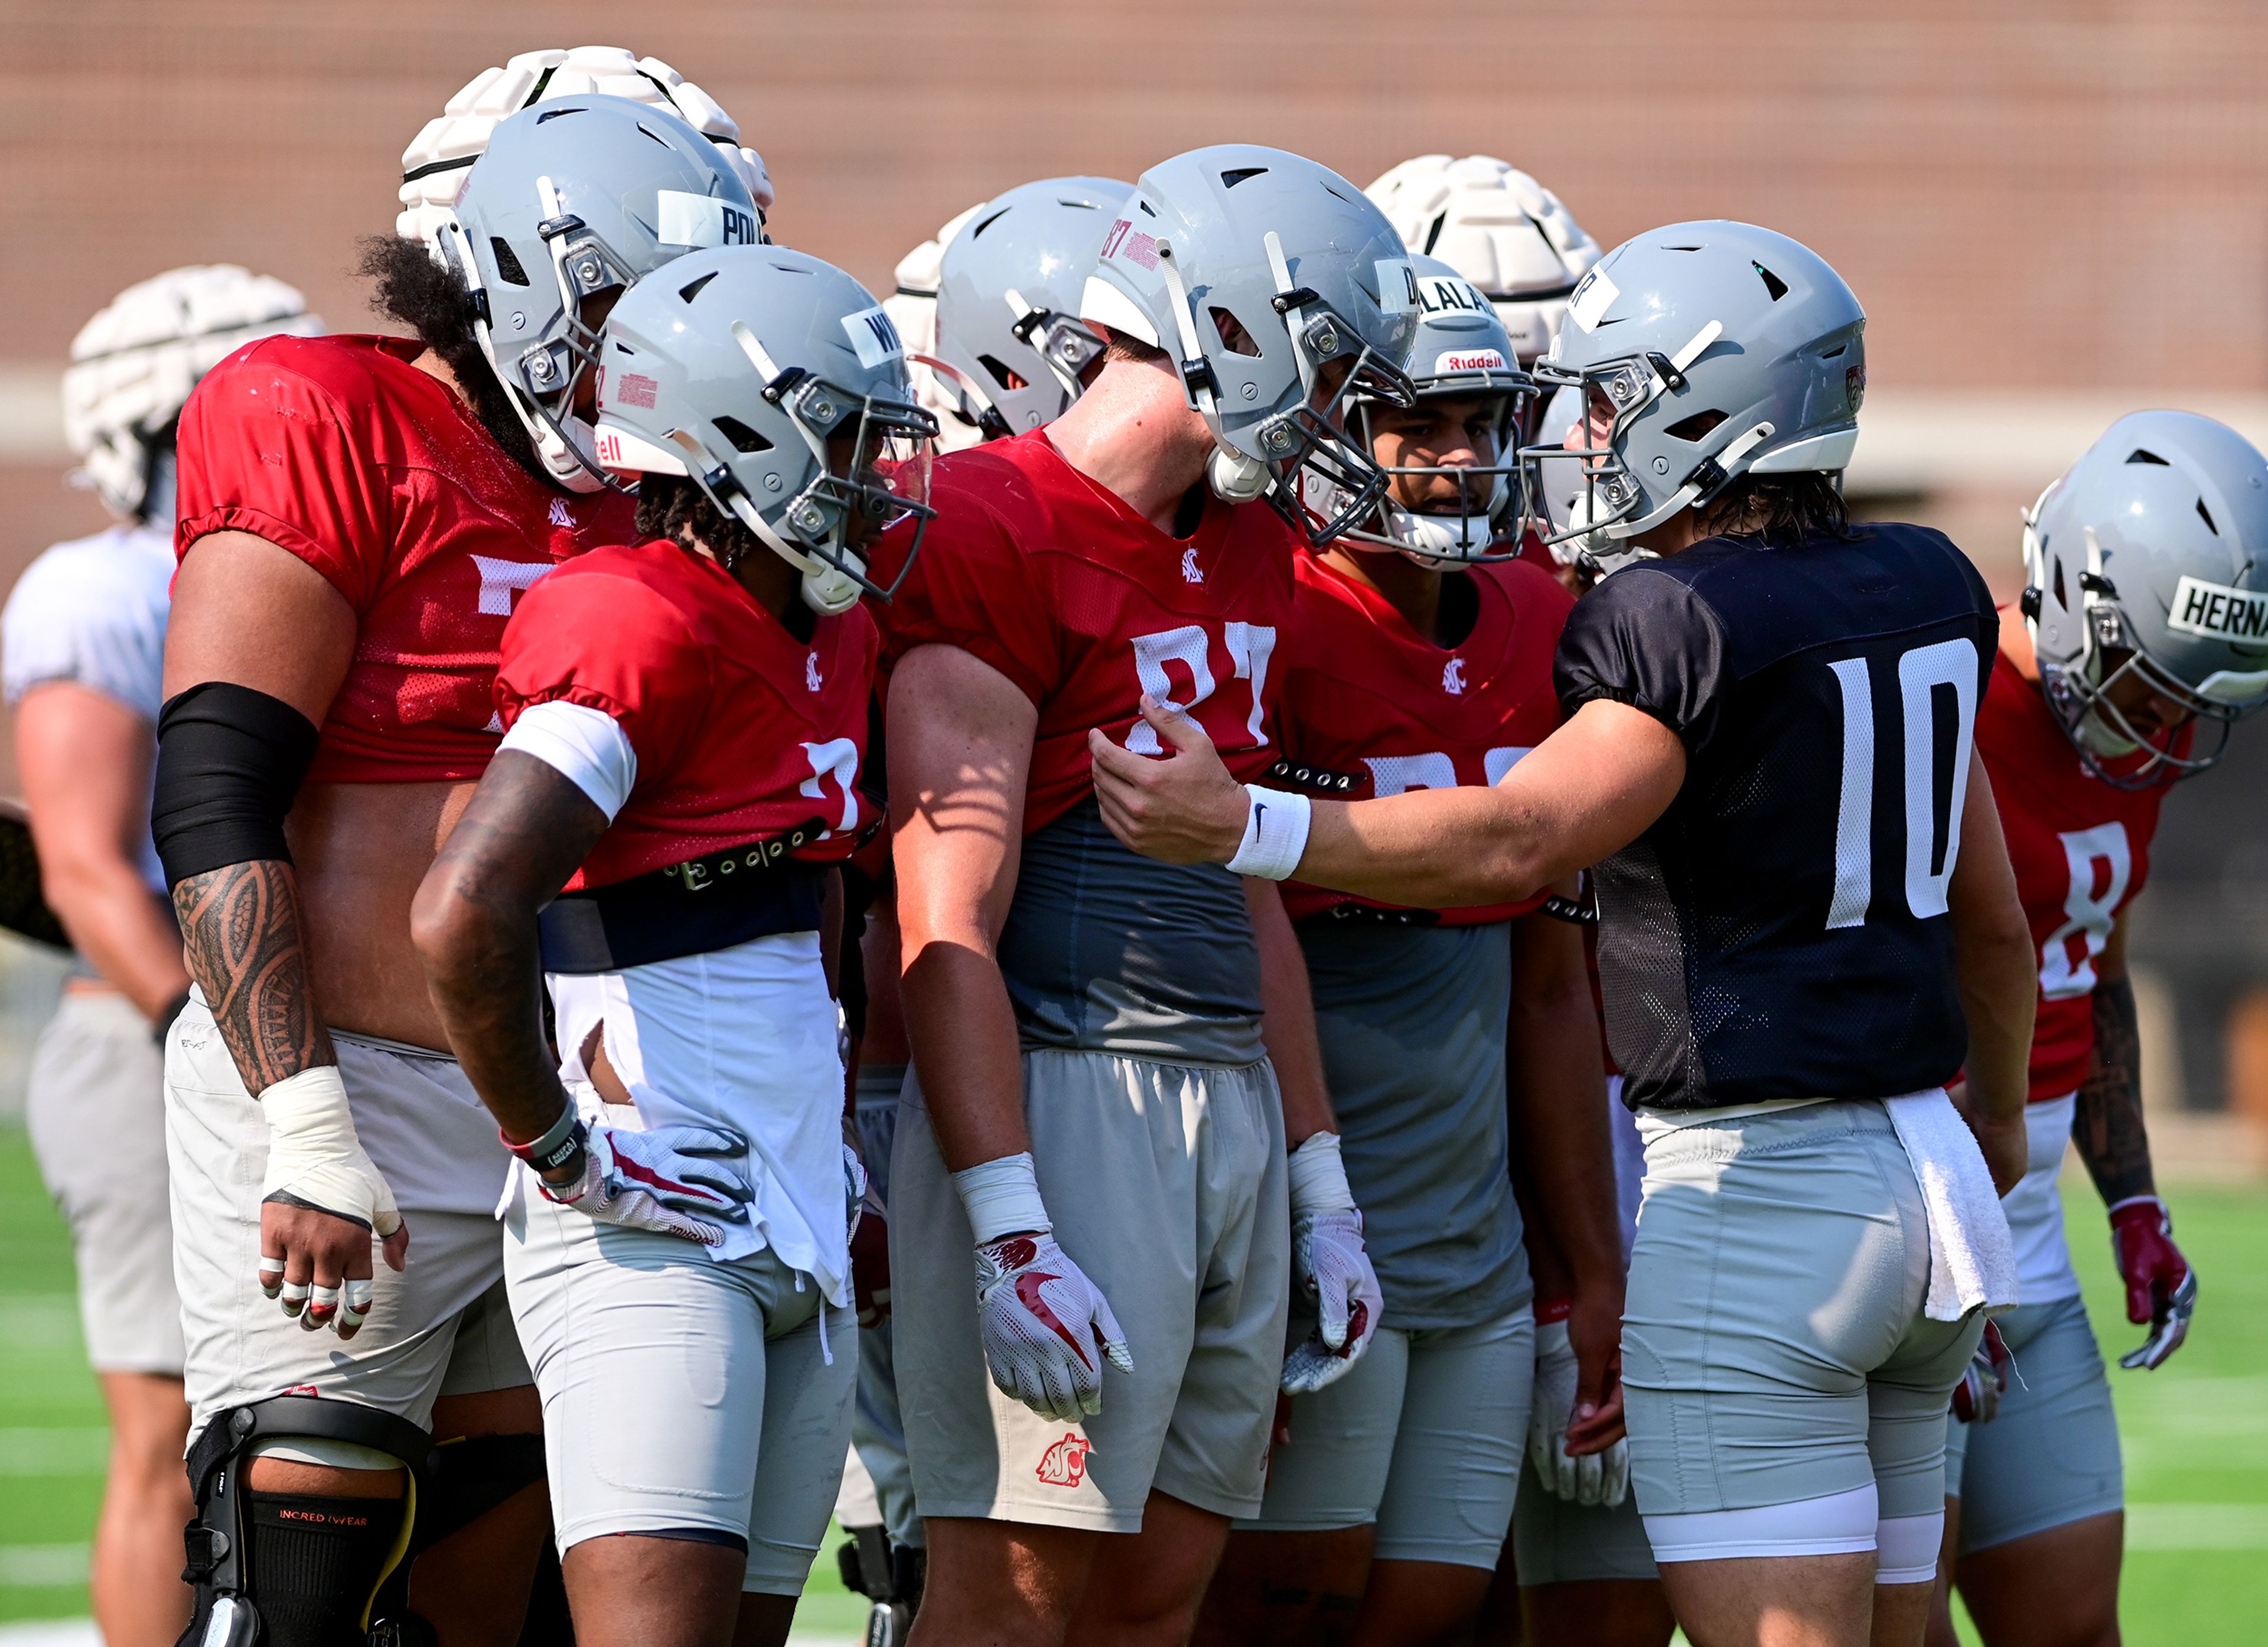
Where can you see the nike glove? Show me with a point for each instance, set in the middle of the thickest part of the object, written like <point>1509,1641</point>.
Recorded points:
<point>1331,1266</point>
<point>672,1180</point>
<point>1595,1478</point>
<point>2161,1286</point>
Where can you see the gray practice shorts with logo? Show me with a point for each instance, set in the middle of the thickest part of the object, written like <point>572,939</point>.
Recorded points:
<point>96,1110</point>
<point>1166,1182</point>
<point>2050,1457</point>
<point>1557,1542</point>
<point>680,1393</point>
<point>878,1430</point>
<point>1424,1438</point>
<point>1774,1348</point>
<point>441,1327</point>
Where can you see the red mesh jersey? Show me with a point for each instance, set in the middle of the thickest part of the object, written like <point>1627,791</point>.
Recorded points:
<point>340,450</point>
<point>2081,851</point>
<point>1364,693</point>
<point>1086,606</point>
<point>742,731</point>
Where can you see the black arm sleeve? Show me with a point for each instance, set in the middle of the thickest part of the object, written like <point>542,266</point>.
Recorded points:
<point>1644,638</point>
<point>230,763</point>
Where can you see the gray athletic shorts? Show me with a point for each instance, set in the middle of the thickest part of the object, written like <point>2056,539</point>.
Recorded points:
<point>2050,1454</point>
<point>1167,1185</point>
<point>441,1327</point>
<point>1774,1348</point>
<point>878,1430</point>
<point>1424,1438</point>
<point>680,1392</point>
<point>96,1110</point>
<point>1558,1542</point>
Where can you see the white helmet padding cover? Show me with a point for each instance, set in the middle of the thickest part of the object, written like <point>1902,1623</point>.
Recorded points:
<point>734,369</point>
<point>1291,258</point>
<point>1009,284</point>
<point>913,310</point>
<point>1719,348</point>
<point>1499,228</point>
<point>2149,558</point>
<point>433,166</point>
<point>134,364</point>
<point>575,197</point>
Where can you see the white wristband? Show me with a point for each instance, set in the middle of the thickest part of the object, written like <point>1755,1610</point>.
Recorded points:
<point>1319,1179</point>
<point>1002,1198</point>
<point>1275,834</point>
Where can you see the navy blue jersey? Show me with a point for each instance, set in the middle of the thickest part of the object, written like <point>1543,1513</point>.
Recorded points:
<point>1780,932</point>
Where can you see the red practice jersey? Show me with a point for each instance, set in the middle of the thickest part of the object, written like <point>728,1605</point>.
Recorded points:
<point>2081,851</point>
<point>741,732</point>
<point>1366,695</point>
<point>1086,606</point>
<point>341,451</point>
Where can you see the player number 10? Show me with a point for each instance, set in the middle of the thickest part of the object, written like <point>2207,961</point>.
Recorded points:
<point>1921,672</point>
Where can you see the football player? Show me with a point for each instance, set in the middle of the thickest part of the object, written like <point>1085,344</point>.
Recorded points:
<point>1420,657</point>
<point>1097,1105</point>
<point>1767,757</point>
<point>685,718</point>
<point>357,515</point>
<point>2142,634</point>
<point>84,636</point>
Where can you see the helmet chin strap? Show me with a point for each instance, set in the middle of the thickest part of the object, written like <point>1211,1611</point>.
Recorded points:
<point>1234,477</point>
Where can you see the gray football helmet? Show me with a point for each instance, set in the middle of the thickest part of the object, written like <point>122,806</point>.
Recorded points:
<point>1461,351</point>
<point>1007,300</point>
<point>1261,271</point>
<point>2145,560</point>
<point>778,385</point>
<point>573,198</point>
<point>1710,350</point>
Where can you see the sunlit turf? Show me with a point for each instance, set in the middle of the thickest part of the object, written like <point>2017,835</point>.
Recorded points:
<point>2196,1431</point>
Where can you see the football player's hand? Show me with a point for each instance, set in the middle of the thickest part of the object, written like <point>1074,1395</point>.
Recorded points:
<point>1977,1397</point>
<point>1594,1331</point>
<point>321,1200</point>
<point>1332,1266</point>
<point>674,1181</point>
<point>2161,1286</point>
<point>870,1243</point>
<point>1597,1477</point>
<point>1184,809</point>
<point>1046,1329</point>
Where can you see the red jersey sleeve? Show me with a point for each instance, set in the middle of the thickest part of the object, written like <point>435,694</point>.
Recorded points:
<point>611,643</point>
<point>266,449</point>
<point>973,586</point>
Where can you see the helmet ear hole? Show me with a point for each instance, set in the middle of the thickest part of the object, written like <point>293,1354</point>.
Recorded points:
<point>2062,599</point>
<point>1695,427</point>
<point>743,438</point>
<point>1233,337</point>
<point>2205,515</point>
<point>507,260</point>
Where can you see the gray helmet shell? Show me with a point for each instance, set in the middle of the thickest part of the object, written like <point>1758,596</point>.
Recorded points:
<point>2149,557</point>
<point>1681,326</point>
<point>734,370</point>
<point>1461,350</point>
<point>1310,272</point>
<point>1008,290</point>
<point>575,197</point>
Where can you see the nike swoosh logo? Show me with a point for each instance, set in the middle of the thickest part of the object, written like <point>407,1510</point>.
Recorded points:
<point>1027,1292</point>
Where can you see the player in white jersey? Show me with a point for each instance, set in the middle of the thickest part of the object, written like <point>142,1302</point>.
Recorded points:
<point>82,640</point>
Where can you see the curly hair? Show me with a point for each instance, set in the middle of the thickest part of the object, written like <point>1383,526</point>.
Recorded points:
<point>419,294</point>
<point>1778,508</point>
<point>671,506</point>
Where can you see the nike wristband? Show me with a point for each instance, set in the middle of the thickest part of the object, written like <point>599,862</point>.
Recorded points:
<point>1002,1197</point>
<point>1275,834</point>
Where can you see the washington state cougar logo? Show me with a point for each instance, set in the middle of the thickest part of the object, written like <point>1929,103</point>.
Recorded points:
<point>1452,677</point>
<point>1064,1464</point>
<point>1190,572</point>
<point>810,680</point>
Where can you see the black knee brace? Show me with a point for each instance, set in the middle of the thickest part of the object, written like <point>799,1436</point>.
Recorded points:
<point>295,1570</point>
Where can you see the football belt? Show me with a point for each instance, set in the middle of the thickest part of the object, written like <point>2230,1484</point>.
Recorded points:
<point>23,906</point>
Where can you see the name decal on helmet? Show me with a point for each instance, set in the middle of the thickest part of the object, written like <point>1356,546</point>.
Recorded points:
<point>688,219</point>
<point>872,336</point>
<point>1593,299</point>
<point>2219,611</point>
<point>1439,293</point>
<point>1397,287</point>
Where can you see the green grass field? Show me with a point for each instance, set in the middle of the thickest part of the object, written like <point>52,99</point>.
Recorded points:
<point>2196,1431</point>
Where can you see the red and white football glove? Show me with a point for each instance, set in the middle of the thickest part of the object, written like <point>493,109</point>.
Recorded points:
<point>1977,1397</point>
<point>671,1180</point>
<point>2161,1286</point>
<point>1593,1478</point>
<point>1046,1329</point>
<point>1332,1266</point>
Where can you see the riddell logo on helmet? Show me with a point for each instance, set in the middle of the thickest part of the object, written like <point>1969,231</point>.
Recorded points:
<point>1064,1464</point>
<point>1470,360</point>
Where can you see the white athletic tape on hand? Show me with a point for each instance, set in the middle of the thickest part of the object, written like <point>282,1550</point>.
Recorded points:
<point>1319,1179</point>
<point>355,1305</point>
<point>1275,834</point>
<point>1002,1197</point>
<point>315,1155</point>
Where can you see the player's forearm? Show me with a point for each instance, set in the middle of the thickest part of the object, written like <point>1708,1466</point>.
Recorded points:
<point>1558,1079</point>
<point>1994,969</point>
<point>1287,1020</point>
<point>2108,1130</point>
<point>1430,848</point>
<point>484,969</point>
<point>961,1029</point>
<point>121,929</point>
<point>240,928</point>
